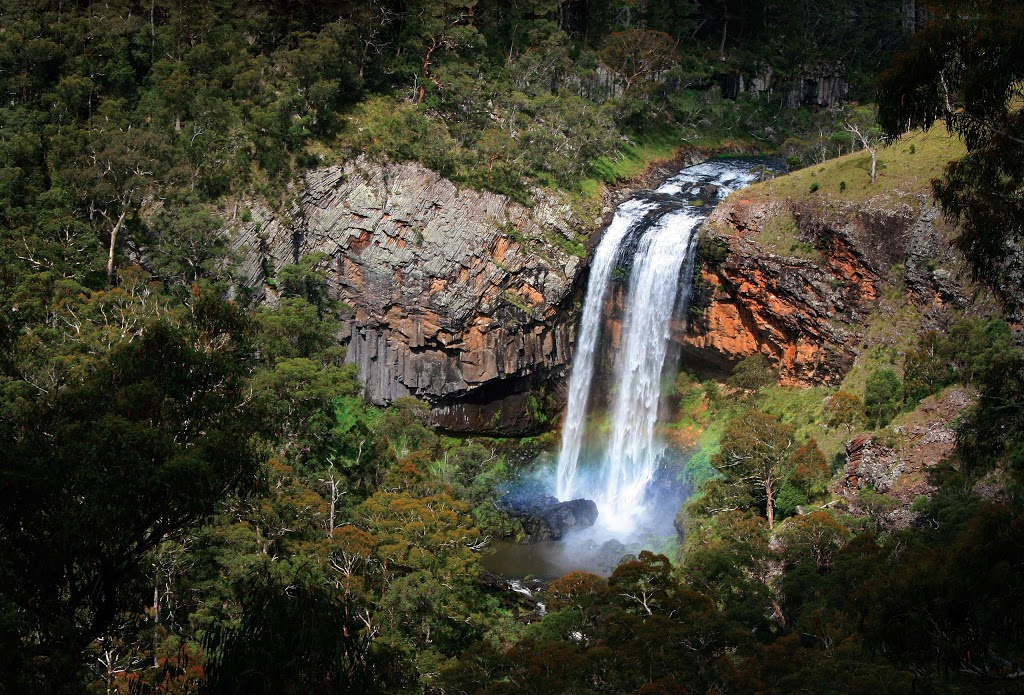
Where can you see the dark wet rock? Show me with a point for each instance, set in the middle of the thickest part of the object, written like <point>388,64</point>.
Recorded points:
<point>569,516</point>
<point>544,518</point>
<point>527,503</point>
<point>709,192</point>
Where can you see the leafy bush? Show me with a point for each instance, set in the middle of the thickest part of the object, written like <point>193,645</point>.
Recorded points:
<point>883,396</point>
<point>843,409</point>
<point>711,251</point>
<point>752,373</point>
<point>789,498</point>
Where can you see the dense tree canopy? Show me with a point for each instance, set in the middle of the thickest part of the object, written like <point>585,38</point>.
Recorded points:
<point>195,496</point>
<point>966,67</point>
<point>132,448</point>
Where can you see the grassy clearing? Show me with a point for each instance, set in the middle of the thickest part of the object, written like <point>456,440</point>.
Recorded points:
<point>800,407</point>
<point>905,170</point>
<point>634,158</point>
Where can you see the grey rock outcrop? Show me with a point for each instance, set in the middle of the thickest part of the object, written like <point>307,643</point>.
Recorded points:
<point>458,297</point>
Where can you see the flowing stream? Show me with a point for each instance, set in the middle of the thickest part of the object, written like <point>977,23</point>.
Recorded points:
<point>651,238</point>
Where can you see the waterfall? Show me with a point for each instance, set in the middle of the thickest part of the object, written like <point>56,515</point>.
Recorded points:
<point>626,218</point>
<point>654,233</point>
<point>631,454</point>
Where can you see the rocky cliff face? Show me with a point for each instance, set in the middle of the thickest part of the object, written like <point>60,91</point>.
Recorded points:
<point>460,298</point>
<point>466,300</point>
<point>804,305</point>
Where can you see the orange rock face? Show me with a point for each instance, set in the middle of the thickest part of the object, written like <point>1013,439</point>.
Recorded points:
<point>806,315</point>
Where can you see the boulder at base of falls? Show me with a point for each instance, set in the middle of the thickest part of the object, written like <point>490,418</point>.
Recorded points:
<point>544,518</point>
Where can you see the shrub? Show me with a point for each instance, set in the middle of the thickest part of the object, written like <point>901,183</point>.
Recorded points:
<point>843,409</point>
<point>752,373</point>
<point>789,498</point>
<point>883,396</point>
<point>711,251</point>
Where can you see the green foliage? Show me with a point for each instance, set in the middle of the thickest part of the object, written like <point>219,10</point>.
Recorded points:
<point>187,245</point>
<point>711,251</point>
<point>967,45</point>
<point>816,537</point>
<point>146,438</point>
<point>305,279</point>
<point>883,396</point>
<point>925,368</point>
<point>298,393</point>
<point>948,580</point>
<point>296,328</point>
<point>757,453</point>
<point>843,409</point>
<point>402,424</point>
<point>299,634</point>
<point>789,498</point>
<point>993,431</point>
<point>752,373</point>
<point>968,350</point>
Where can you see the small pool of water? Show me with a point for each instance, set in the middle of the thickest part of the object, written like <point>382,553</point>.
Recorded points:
<point>545,560</point>
<point>549,560</point>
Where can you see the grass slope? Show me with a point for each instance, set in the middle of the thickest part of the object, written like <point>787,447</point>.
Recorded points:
<point>905,170</point>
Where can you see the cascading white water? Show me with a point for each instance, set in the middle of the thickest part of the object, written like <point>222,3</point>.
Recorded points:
<point>626,217</point>
<point>631,455</point>
<point>661,228</point>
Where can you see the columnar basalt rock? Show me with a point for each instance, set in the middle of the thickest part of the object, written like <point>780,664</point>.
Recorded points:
<point>458,297</point>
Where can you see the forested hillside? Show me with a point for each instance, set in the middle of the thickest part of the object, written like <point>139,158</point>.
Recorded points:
<point>195,497</point>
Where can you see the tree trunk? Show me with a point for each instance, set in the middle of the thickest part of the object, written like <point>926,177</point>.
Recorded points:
<point>113,245</point>
<point>156,618</point>
<point>725,29</point>
<point>769,494</point>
